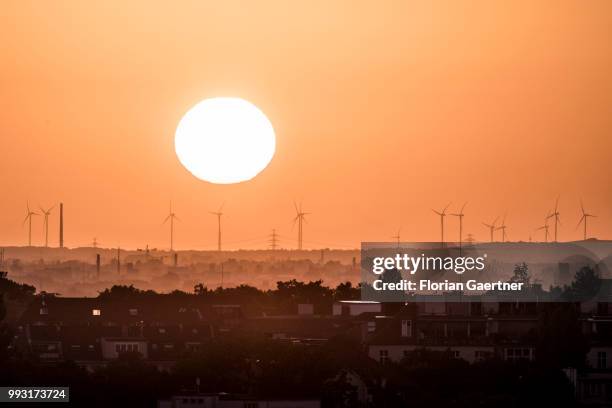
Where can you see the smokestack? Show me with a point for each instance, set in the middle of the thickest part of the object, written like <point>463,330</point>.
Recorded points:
<point>175,259</point>
<point>118,261</point>
<point>97,266</point>
<point>61,237</point>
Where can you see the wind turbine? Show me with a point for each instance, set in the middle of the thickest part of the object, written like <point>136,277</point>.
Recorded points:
<point>442,214</point>
<point>584,218</point>
<point>46,213</point>
<point>460,215</point>
<point>28,218</point>
<point>218,214</point>
<point>300,218</point>
<point>545,228</point>
<point>503,227</point>
<point>491,227</point>
<point>171,216</point>
<point>555,214</point>
<point>397,237</point>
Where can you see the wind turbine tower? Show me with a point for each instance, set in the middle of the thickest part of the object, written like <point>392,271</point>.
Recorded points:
<point>300,218</point>
<point>545,228</point>
<point>28,218</point>
<point>555,215</point>
<point>46,214</point>
<point>583,220</point>
<point>460,215</point>
<point>171,216</point>
<point>491,228</point>
<point>503,227</point>
<point>442,214</point>
<point>218,214</point>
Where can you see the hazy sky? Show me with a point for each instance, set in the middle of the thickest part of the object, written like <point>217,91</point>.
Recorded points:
<point>382,111</point>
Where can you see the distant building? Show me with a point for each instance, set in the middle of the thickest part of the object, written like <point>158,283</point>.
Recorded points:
<point>355,307</point>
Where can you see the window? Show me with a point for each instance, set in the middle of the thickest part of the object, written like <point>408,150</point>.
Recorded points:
<point>602,359</point>
<point>518,354</point>
<point>406,328</point>
<point>602,308</point>
<point>44,311</point>
<point>251,405</point>
<point>162,330</point>
<point>126,347</point>
<point>480,355</point>
<point>96,312</point>
<point>456,354</point>
<point>383,356</point>
<point>133,312</point>
<point>593,389</point>
<point>371,327</point>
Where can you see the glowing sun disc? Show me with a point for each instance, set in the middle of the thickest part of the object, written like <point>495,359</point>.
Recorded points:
<point>225,140</point>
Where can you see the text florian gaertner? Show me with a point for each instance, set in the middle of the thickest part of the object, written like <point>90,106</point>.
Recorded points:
<point>413,264</point>
<point>428,285</point>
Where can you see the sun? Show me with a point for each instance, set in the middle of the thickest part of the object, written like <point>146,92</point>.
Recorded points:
<point>225,140</point>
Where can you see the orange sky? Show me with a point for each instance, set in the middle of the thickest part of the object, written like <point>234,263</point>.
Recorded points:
<point>382,110</point>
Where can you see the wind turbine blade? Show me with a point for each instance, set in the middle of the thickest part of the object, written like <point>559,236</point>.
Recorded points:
<point>580,222</point>
<point>177,218</point>
<point>582,206</point>
<point>222,205</point>
<point>166,220</point>
<point>447,205</point>
<point>557,204</point>
<point>296,207</point>
<point>437,212</point>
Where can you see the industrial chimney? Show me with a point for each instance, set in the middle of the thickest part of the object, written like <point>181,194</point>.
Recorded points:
<point>98,267</point>
<point>61,235</point>
<point>175,259</point>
